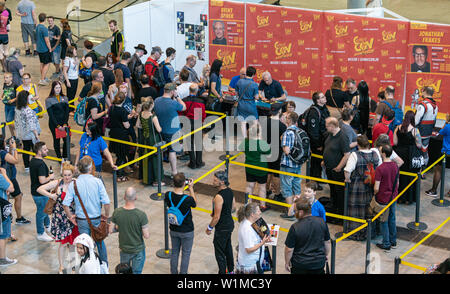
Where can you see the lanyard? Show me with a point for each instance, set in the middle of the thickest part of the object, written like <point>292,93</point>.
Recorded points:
<point>86,147</point>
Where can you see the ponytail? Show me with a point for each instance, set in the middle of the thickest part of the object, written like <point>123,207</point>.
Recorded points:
<point>246,211</point>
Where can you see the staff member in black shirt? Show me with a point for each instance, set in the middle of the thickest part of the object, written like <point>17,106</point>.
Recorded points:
<point>222,221</point>
<point>336,98</point>
<point>307,243</point>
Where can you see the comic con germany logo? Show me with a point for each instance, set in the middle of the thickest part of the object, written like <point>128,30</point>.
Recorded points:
<point>283,50</point>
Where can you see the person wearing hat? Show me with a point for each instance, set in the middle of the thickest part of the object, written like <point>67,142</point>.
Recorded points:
<point>152,63</point>
<point>316,130</point>
<point>166,108</point>
<point>222,222</point>
<point>137,68</point>
<point>275,128</point>
<point>90,262</point>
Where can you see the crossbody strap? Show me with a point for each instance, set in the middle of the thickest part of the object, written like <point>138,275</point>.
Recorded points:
<point>335,104</point>
<point>245,90</point>
<point>81,202</point>
<point>393,188</point>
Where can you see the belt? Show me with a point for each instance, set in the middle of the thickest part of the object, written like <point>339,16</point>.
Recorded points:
<point>91,218</point>
<point>427,122</point>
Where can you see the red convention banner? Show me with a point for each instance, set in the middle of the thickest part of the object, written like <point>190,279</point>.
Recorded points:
<point>287,43</point>
<point>365,48</point>
<point>429,64</point>
<point>226,27</point>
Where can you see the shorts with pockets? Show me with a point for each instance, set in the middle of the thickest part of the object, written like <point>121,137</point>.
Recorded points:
<point>252,178</point>
<point>45,58</point>
<point>56,55</point>
<point>28,30</point>
<point>17,190</point>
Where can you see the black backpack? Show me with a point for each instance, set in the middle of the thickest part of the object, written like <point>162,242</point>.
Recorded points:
<point>158,76</point>
<point>303,118</point>
<point>301,150</point>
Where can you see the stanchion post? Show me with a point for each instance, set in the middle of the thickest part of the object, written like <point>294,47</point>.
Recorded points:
<point>308,168</point>
<point>369,239</point>
<point>227,163</point>
<point>274,259</point>
<point>333,256</point>
<point>441,202</point>
<point>165,252</point>
<point>68,143</point>
<point>417,225</point>
<point>246,198</point>
<point>346,192</point>
<point>397,262</point>
<point>4,130</point>
<point>158,196</point>
<point>115,188</point>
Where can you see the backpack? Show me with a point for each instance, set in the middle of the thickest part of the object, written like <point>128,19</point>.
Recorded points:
<point>174,214</point>
<point>158,76</point>
<point>424,104</point>
<point>301,151</point>
<point>303,118</point>
<point>80,111</point>
<point>398,115</point>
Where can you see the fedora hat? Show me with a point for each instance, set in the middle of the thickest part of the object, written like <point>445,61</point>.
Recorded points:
<point>141,47</point>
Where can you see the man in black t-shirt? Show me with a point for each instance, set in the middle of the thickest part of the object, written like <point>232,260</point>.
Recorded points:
<point>181,236</point>
<point>335,155</point>
<point>146,90</point>
<point>117,41</point>
<point>222,222</point>
<point>40,175</point>
<point>108,75</point>
<point>271,89</point>
<point>307,243</point>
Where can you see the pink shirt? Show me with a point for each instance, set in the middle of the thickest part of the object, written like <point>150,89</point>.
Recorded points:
<point>4,22</point>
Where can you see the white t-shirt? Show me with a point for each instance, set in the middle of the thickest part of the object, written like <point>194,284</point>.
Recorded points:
<point>353,158</point>
<point>393,155</point>
<point>72,71</point>
<point>183,90</point>
<point>248,238</point>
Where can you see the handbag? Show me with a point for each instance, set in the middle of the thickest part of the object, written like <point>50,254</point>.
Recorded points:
<point>416,157</point>
<point>5,209</point>
<point>262,229</point>
<point>375,207</point>
<point>107,119</point>
<point>48,209</point>
<point>62,134</point>
<point>99,233</point>
<point>335,104</point>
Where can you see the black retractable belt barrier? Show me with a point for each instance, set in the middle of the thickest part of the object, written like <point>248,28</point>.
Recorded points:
<point>158,196</point>
<point>344,226</point>
<point>333,256</point>
<point>417,225</point>
<point>68,143</point>
<point>165,252</point>
<point>115,188</point>
<point>397,262</point>
<point>369,239</point>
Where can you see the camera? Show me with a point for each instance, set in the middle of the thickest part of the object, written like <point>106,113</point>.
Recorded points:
<point>187,181</point>
<point>10,140</point>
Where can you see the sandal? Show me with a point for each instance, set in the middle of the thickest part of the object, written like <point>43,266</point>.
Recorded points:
<point>123,179</point>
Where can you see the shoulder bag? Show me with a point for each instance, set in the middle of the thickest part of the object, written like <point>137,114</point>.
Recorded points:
<point>99,233</point>
<point>375,207</point>
<point>235,105</point>
<point>48,209</point>
<point>335,104</point>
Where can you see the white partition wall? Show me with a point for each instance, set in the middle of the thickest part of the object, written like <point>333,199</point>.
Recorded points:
<point>155,23</point>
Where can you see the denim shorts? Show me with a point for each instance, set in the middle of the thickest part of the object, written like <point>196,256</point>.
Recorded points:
<point>6,226</point>
<point>175,147</point>
<point>290,185</point>
<point>56,55</point>
<point>10,111</point>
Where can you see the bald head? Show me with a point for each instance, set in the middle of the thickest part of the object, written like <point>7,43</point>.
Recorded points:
<point>193,89</point>
<point>332,125</point>
<point>130,194</point>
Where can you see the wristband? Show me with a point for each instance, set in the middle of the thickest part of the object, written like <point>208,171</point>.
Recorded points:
<point>210,228</point>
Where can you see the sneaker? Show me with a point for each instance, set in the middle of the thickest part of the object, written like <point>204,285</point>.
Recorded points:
<point>43,83</point>
<point>268,193</point>
<point>27,169</point>
<point>35,53</point>
<point>279,198</point>
<point>7,261</point>
<point>286,216</point>
<point>44,237</point>
<point>394,245</point>
<point>381,246</point>
<point>201,164</point>
<point>28,52</point>
<point>22,221</point>
<point>431,193</point>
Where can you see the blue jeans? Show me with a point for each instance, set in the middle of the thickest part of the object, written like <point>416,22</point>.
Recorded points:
<point>83,227</point>
<point>290,186</point>
<point>135,260</point>
<point>42,218</point>
<point>183,241</point>
<point>389,229</point>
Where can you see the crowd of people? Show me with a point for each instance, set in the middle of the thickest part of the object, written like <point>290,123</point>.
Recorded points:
<point>142,103</point>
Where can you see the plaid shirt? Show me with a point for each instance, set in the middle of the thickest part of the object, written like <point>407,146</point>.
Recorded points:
<point>288,140</point>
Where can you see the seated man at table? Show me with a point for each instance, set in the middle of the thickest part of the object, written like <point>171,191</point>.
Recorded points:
<point>235,79</point>
<point>270,89</point>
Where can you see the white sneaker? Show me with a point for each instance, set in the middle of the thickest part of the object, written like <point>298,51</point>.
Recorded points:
<point>7,261</point>
<point>43,83</point>
<point>44,237</point>
<point>27,169</point>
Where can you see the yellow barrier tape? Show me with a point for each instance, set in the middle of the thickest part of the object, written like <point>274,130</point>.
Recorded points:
<point>431,166</point>
<point>424,239</point>
<point>119,141</point>
<point>32,153</point>
<point>413,265</point>
<point>351,233</point>
<point>357,220</point>
<point>408,174</point>
<point>214,112</point>
<point>316,155</point>
<point>288,174</point>
<point>193,132</point>
<point>137,159</point>
<point>395,199</point>
<point>269,201</point>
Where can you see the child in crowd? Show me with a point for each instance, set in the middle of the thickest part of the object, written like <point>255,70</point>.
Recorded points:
<point>9,99</point>
<point>309,193</point>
